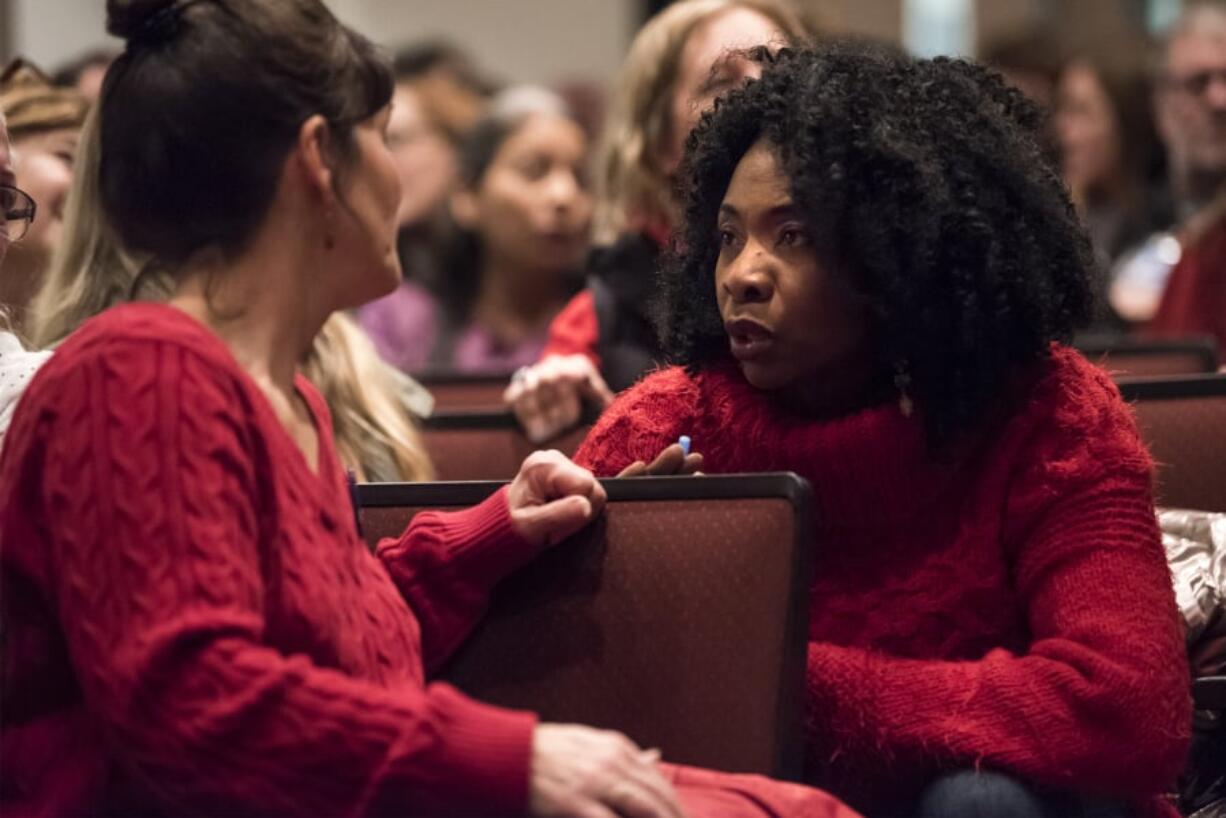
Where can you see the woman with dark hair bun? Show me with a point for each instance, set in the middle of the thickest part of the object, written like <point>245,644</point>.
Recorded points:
<point>876,278</point>
<point>192,623</point>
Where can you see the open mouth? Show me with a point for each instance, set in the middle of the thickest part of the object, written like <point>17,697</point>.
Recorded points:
<point>748,339</point>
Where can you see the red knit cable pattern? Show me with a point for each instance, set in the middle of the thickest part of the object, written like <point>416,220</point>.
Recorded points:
<point>1009,608</point>
<point>191,620</point>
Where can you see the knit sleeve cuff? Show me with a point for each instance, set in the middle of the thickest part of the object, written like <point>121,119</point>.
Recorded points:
<point>484,755</point>
<point>484,546</point>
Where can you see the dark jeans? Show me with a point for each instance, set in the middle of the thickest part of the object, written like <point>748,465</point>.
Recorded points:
<point>993,795</point>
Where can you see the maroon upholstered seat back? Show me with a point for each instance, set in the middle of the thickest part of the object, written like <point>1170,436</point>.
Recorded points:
<point>456,390</point>
<point>679,618</point>
<point>1183,421</point>
<point>485,445</point>
<point>1131,358</point>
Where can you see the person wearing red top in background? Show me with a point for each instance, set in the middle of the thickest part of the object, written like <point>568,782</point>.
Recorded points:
<point>604,339</point>
<point>874,282</point>
<point>191,620</point>
<point>1192,116</point>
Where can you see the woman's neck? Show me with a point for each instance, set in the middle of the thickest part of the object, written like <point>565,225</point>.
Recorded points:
<point>259,307</point>
<point>515,303</point>
<point>846,386</point>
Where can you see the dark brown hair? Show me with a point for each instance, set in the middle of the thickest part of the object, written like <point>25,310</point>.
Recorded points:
<point>201,109</point>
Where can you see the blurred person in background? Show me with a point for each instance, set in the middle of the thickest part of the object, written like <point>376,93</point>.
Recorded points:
<point>432,113</point>
<point>85,74</point>
<point>442,58</point>
<point>1110,154</point>
<point>1192,120</point>
<point>1030,60</point>
<point>679,63</point>
<point>17,211</point>
<point>44,125</point>
<point>435,105</point>
<point>374,407</point>
<point>521,213</point>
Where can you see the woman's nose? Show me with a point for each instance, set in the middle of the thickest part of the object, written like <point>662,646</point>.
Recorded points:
<point>748,280</point>
<point>562,190</point>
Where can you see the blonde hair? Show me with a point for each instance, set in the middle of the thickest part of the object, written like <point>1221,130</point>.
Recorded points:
<point>89,270</point>
<point>375,431</point>
<point>375,434</point>
<point>630,182</point>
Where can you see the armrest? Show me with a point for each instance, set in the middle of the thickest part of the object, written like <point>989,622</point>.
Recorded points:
<point>1209,693</point>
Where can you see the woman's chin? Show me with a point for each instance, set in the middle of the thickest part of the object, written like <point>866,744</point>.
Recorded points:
<point>372,285</point>
<point>763,376</point>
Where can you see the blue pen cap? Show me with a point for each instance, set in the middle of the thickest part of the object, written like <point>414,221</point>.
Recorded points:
<point>684,443</point>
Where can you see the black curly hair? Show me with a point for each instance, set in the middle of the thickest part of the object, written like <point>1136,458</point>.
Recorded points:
<point>924,183</point>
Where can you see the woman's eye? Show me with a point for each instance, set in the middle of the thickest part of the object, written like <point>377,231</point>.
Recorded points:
<point>534,169</point>
<point>793,237</point>
<point>726,238</point>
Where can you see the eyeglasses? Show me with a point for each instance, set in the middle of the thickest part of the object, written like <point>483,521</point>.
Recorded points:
<point>18,210</point>
<point>1197,83</point>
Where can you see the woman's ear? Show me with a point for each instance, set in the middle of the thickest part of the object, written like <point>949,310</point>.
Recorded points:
<point>316,154</point>
<point>463,206</point>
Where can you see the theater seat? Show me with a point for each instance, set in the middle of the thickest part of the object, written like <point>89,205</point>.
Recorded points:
<point>1183,421</point>
<point>1139,358</point>
<point>476,445</point>
<point>463,390</point>
<point>679,618</point>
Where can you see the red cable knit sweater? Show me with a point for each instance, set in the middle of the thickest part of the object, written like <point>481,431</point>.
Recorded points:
<point>191,623</point>
<point>188,610</point>
<point>1009,609</point>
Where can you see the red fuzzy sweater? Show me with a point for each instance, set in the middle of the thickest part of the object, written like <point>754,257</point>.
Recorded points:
<point>192,624</point>
<point>1009,608</point>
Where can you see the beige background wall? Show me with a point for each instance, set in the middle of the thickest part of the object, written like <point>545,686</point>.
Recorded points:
<point>524,40</point>
<point>546,40</point>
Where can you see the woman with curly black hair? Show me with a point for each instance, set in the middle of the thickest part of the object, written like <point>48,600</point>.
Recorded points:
<point>876,276</point>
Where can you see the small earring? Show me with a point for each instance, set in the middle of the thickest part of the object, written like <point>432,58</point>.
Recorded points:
<point>902,382</point>
<point>329,239</point>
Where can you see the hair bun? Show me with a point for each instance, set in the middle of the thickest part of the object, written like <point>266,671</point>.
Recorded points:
<point>126,19</point>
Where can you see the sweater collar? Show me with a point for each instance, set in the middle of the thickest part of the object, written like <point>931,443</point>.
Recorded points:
<point>866,468</point>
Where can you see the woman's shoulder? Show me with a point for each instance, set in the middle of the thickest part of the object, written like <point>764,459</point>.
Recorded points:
<point>141,325</point>
<point>661,390</point>
<point>17,367</point>
<point>1077,394</point>
<point>1075,424</point>
<point>133,347</point>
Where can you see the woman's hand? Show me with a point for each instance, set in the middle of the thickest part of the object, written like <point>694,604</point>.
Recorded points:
<point>580,772</point>
<point>552,498</point>
<point>548,398</point>
<point>673,460</point>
